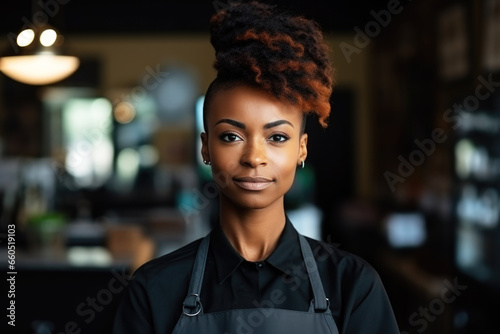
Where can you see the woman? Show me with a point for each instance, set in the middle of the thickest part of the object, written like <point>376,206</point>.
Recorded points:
<point>254,273</point>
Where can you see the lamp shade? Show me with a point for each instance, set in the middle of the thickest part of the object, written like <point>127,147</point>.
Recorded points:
<point>39,59</point>
<point>38,69</point>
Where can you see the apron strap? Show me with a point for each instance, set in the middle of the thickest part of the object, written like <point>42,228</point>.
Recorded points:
<point>321,303</point>
<point>192,300</point>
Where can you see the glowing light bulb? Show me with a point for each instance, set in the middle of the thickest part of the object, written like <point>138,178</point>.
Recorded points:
<point>25,37</point>
<point>48,37</point>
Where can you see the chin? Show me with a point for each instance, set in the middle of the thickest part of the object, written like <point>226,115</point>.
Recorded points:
<point>252,202</point>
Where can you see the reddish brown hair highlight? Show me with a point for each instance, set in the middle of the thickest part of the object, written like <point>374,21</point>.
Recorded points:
<point>281,53</point>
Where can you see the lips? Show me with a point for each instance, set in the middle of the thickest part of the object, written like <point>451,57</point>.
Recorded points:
<point>253,183</point>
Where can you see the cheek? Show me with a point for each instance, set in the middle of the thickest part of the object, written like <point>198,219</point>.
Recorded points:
<point>284,164</point>
<point>223,157</point>
<point>223,164</point>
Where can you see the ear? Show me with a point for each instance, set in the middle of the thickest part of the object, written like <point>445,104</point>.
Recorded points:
<point>204,147</point>
<point>302,148</point>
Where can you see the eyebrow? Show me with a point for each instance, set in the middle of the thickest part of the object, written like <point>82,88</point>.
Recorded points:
<point>276,123</point>
<point>243,126</point>
<point>232,122</point>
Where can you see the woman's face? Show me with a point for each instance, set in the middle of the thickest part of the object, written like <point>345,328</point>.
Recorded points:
<point>254,143</point>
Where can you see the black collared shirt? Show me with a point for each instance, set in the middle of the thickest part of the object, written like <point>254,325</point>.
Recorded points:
<point>358,301</point>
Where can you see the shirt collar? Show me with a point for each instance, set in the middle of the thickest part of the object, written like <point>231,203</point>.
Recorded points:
<point>226,258</point>
<point>286,255</point>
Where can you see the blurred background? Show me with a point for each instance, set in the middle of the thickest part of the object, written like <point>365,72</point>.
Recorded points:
<point>100,115</point>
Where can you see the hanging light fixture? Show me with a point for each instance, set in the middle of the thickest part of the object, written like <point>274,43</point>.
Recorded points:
<point>40,60</point>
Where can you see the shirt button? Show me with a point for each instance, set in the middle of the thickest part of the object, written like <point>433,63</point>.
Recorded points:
<point>260,265</point>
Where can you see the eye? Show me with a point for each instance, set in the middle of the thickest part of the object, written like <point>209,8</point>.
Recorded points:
<point>279,138</point>
<point>229,137</point>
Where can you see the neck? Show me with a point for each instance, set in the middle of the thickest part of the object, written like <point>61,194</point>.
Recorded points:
<point>254,234</point>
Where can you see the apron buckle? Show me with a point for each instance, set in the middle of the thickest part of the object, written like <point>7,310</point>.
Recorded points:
<point>320,307</point>
<point>192,302</point>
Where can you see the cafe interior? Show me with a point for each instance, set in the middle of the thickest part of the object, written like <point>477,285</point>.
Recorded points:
<point>100,165</point>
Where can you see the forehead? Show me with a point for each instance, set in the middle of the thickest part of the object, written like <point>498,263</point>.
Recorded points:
<point>251,104</point>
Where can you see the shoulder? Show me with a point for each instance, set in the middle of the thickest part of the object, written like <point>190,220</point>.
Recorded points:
<point>359,302</point>
<point>156,289</point>
<point>174,265</point>
<point>341,263</point>
<point>349,277</point>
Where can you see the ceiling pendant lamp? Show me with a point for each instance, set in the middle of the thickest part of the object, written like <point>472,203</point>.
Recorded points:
<point>39,59</point>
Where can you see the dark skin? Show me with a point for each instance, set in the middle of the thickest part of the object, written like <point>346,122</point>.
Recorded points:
<point>256,142</point>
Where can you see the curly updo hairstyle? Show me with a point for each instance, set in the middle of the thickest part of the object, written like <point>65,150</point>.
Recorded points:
<point>280,53</point>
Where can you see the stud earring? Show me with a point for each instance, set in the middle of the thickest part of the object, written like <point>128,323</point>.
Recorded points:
<point>208,163</point>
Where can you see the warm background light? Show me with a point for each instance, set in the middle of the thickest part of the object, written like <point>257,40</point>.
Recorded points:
<point>124,112</point>
<point>38,69</point>
<point>39,59</point>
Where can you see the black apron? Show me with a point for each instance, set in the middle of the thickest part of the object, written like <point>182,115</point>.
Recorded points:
<point>317,320</point>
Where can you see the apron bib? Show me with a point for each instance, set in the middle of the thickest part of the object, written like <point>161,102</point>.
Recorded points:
<point>193,320</point>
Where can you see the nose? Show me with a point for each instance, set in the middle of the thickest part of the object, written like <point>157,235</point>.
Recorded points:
<point>254,155</point>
